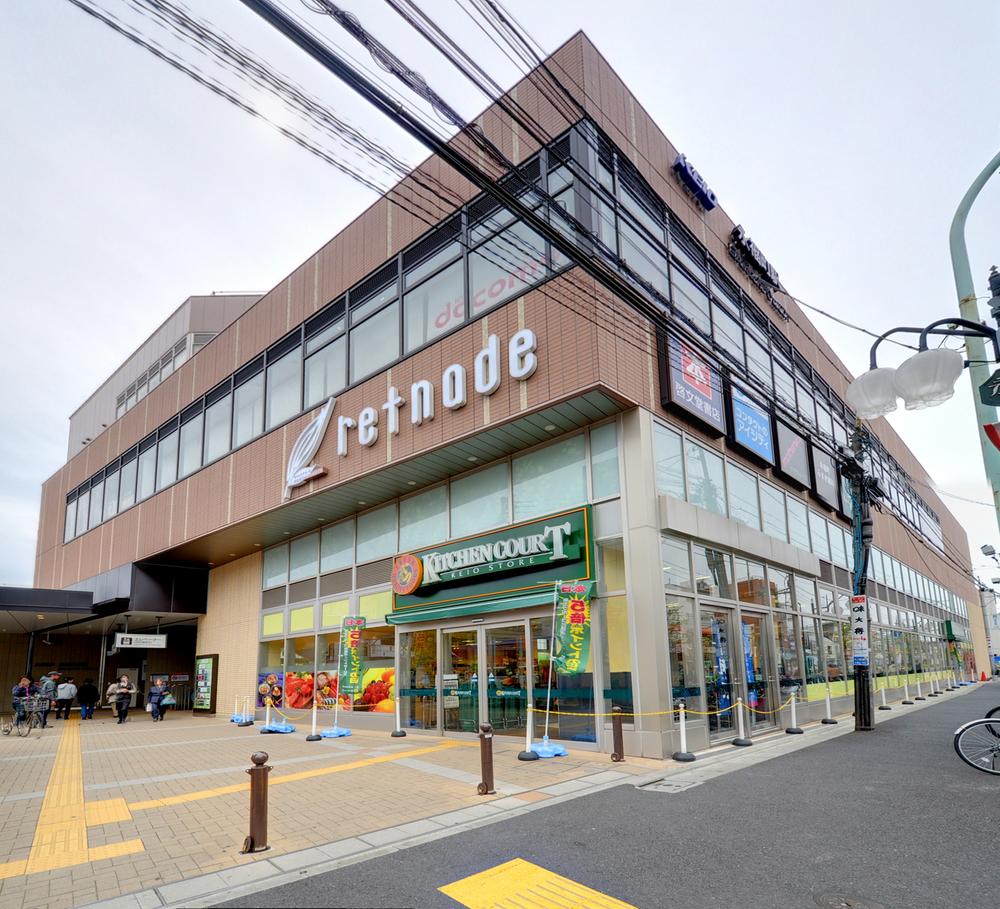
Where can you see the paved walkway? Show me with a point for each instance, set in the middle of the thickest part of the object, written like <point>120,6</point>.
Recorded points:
<point>155,814</point>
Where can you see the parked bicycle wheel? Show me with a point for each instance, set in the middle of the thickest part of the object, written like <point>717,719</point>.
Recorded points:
<point>978,744</point>
<point>994,714</point>
<point>23,724</point>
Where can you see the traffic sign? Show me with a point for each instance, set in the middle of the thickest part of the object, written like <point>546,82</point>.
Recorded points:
<point>989,391</point>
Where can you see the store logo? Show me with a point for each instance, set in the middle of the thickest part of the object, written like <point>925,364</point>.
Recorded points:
<point>407,573</point>
<point>695,372</point>
<point>694,183</point>
<point>300,467</point>
<point>762,273</point>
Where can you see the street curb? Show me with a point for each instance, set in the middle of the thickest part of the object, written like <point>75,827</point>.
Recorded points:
<point>267,873</point>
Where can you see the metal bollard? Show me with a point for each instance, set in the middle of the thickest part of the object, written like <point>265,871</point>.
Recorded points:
<point>486,759</point>
<point>741,741</point>
<point>683,755</point>
<point>313,735</point>
<point>257,840</point>
<point>794,728</point>
<point>617,737</point>
<point>828,720</point>
<point>398,732</point>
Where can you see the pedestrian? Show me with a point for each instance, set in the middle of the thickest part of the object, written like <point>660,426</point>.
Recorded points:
<point>87,697</point>
<point>111,695</point>
<point>65,692</point>
<point>124,690</point>
<point>47,688</point>
<point>26,688</point>
<point>157,692</point>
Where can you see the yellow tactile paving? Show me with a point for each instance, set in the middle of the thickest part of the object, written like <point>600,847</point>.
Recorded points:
<point>519,884</point>
<point>108,811</point>
<point>292,777</point>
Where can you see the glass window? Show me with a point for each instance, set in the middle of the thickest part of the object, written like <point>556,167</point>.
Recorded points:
<point>248,410</point>
<point>275,566</point>
<point>713,572</point>
<point>147,473</point>
<point>742,487</point>
<point>361,307</point>
<point>480,501</point>
<point>302,619</point>
<point>423,519</point>
<point>784,387</point>
<point>82,512</point>
<point>217,419</point>
<point>166,461</point>
<point>336,547</point>
<point>503,267</point>
<point>728,333</point>
<point>550,478</point>
<point>604,461</point>
<point>611,558</point>
<point>772,502</point>
<point>798,523</point>
<point>418,679</point>
<point>759,363</point>
<point>126,492</point>
<point>648,262</point>
<point>300,655</point>
<point>375,343</point>
<point>827,601</point>
<point>789,673</point>
<point>817,530</point>
<point>436,306</point>
<point>812,652</point>
<point>676,567</point>
<point>333,612</point>
<point>780,586</point>
<point>111,495</point>
<point>750,584</point>
<point>284,388</point>
<point>683,644</point>
<point>805,595</point>
<point>833,652</point>
<point>96,504</point>
<point>377,533</point>
<point>691,300</point>
<point>669,462</point>
<point>706,484</point>
<point>375,606</point>
<point>807,407</point>
<point>272,623</point>
<point>616,644</point>
<point>838,549</point>
<point>190,454</point>
<point>303,562</point>
<point>69,528</point>
<point>326,371</point>
<point>432,263</point>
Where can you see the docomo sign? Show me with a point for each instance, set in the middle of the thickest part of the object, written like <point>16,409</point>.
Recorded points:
<point>509,553</point>
<point>522,361</point>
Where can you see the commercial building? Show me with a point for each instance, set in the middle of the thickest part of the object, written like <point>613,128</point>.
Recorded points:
<point>456,410</point>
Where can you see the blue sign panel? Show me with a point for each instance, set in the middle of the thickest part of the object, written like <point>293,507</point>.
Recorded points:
<point>692,383</point>
<point>694,183</point>
<point>752,426</point>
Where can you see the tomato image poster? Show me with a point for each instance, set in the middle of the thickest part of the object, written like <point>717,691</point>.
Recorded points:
<point>299,687</point>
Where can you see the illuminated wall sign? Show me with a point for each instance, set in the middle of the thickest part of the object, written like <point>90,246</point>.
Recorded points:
<point>826,480</point>
<point>694,183</point>
<point>793,454</point>
<point>520,359</point>
<point>752,428</point>
<point>690,382</point>
<point>762,273</point>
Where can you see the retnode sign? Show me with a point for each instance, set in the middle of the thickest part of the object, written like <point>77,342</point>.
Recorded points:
<point>520,359</point>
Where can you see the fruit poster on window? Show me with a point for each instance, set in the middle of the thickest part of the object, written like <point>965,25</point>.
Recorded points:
<point>352,667</point>
<point>572,632</point>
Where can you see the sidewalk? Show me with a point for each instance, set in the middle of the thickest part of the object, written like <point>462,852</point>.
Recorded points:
<point>161,810</point>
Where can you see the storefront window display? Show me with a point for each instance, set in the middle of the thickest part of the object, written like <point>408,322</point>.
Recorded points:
<point>300,657</point>
<point>271,673</point>
<point>571,694</point>
<point>417,681</point>
<point>616,645</point>
<point>812,655</point>
<point>789,671</point>
<point>682,643</point>
<point>833,652</point>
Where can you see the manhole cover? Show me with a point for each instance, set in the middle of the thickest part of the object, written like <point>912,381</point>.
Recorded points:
<point>841,901</point>
<point>665,786</point>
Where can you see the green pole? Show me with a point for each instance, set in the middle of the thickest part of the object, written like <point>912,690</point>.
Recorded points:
<point>975,348</point>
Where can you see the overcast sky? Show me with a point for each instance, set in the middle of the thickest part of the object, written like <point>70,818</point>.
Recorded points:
<point>841,135</point>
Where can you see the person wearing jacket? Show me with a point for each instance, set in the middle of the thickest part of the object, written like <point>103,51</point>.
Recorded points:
<point>47,688</point>
<point>26,688</point>
<point>87,697</point>
<point>157,692</point>
<point>65,693</point>
<point>122,692</point>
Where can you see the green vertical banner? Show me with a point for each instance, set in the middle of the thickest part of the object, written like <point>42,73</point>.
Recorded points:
<point>352,667</point>
<point>572,631</point>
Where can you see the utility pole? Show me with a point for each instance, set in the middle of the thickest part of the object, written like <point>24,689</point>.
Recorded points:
<point>860,624</point>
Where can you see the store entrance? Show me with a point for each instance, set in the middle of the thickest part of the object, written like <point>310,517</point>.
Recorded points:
<point>484,678</point>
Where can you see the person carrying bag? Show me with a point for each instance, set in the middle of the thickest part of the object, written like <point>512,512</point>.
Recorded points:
<point>111,696</point>
<point>123,697</point>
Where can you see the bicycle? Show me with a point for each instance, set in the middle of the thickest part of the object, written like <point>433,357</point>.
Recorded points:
<point>977,742</point>
<point>27,716</point>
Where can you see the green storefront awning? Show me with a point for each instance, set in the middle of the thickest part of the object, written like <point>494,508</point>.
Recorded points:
<point>486,606</point>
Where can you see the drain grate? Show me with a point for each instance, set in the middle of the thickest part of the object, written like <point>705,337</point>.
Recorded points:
<point>667,786</point>
<point>842,901</point>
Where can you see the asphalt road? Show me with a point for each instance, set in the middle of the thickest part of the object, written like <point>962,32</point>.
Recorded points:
<point>891,818</point>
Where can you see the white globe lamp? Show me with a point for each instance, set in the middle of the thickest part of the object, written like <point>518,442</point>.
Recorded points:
<point>873,393</point>
<point>928,378</point>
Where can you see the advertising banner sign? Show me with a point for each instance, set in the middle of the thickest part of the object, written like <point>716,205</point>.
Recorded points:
<point>859,630</point>
<point>752,426</point>
<point>826,481</point>
<point>793,454</point>
<point>352,667</point>
<point>572,632</point>
<point>152,641</point>
<point>270,687</point>
<point>206,670</point>
<point>689,381</point>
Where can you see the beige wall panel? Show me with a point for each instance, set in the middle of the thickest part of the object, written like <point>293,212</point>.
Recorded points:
<point>230,629</point>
